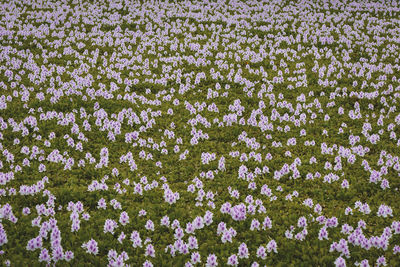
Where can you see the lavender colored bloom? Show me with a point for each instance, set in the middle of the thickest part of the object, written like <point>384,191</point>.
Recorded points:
<point>26,211</point>
<point>147,263</point>
<point>340,262</point>
<point>44,256</point>
<point>255,225</point>
<point>243,251</point>
<point>238,212</point>
<point>68,255</point>
<point>302,222</point>
<point>91,247</point>
<point>102,204</point>
<point>381,261</point>
<point>192,242</point>
<point>363,263</point>
<point>332,222</point>
<point>195,258</point>
<point>121,237</point>
<point>149,225</point>
<point>150,251</point>
<point>323,234</point>
<point>384,211</point>
<point>233,260</point>
<point>272,246</point>
<point>211,261</point>
<point>261,252</point>
<point>109,226</point>
<point>165,221</point>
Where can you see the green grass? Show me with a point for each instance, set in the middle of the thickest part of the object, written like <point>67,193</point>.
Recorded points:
<point>72,185</point>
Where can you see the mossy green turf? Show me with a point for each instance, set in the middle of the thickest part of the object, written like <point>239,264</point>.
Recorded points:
<point>71,185</point>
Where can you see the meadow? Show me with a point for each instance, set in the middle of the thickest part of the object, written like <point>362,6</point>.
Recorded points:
<point>208,133</point>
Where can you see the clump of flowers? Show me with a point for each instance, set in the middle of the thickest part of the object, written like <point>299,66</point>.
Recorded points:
<point>91,247</point>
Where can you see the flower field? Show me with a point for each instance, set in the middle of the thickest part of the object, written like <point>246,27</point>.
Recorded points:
<point>209,133</point>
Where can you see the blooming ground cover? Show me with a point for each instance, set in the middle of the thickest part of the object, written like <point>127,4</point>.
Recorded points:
<point>199,133</point>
